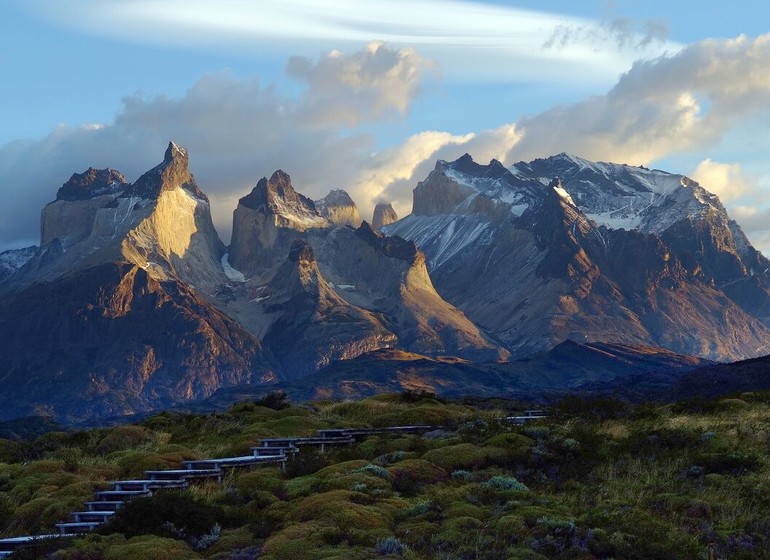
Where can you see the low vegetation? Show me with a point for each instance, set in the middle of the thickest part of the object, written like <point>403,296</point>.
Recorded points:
<point>597,479</point>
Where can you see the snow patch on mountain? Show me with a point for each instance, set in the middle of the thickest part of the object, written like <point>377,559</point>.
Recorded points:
<point>14,259</point>
<point>620,196</point>
<point>496,188</point>
<point>443,236</point>
<point>230,272</point>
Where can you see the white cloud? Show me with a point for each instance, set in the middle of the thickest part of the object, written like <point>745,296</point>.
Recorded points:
<point>236,130</point>
<point>364,86</point>
<point>686,101</point>
<point>471,40</point>
<point>726,180</point>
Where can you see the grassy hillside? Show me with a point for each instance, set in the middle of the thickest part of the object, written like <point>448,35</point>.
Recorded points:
<point>595,480</point>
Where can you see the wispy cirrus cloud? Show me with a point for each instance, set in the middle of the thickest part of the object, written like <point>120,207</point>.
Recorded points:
<point>469,40</point>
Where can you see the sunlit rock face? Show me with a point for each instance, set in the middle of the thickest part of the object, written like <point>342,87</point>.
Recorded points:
<point>161,223</point>
<point>563,248</point>
<point>339,209</point>
<point>383,215</point>
<point>268,220</point>
<point>113,313</point>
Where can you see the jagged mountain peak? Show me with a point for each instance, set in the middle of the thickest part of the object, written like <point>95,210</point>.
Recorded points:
<point>172,173</point>
<point>390,246</point>
<point>383,215</point>
<point>339,208</point>
<point>276,196</point>
<point>301,252</point>
<point>613,252</point>
<point>335,196</point>
<point>161,223</point>
<point>91,183</point>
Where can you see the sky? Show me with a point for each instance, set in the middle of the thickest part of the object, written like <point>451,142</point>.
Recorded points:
<point>366,95</point>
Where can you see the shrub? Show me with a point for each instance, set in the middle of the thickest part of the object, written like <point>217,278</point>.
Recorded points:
<point>412,474</point>
<point>123,437</point>
<point>167,514</point>
<point>461,474</point>
<point>276,400</point>
<point>505,483</point>
<point>374,470</point>
<point>465,456</point>
<point>390,545</point>
<point>149,548</point>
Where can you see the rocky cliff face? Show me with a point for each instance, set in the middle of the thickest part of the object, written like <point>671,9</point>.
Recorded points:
<point>177,238</point>
<point>70,217</point>
<point>367,283</point>
<point>106,316</point>
<point>383,215</point>
<point>309,324</point>
<point>388,274</point>
<point>605,252</point>
<point>161,223</point>
<point>111,340</point>
<point>339,209</point>
<point>268,220</point>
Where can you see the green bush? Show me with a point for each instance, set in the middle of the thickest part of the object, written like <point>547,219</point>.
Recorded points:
<point>465,456</point>
<point>167,514</point>
<point>505,483</point>
<point>411,475</point>
<point>150,547</point>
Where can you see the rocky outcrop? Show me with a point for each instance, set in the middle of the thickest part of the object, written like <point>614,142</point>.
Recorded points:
<point>267,221</point>
<point>162,223</point>
<point>310,325</point>
<point>111,340</point>
<point>92,183</point>
<point>603,253</point>
<point>339,209</point>
<point>383,215</point>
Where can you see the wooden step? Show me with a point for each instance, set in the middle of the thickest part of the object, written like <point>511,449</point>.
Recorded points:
<point>183,474</point>
<point>120,495</point>
<point>77,527</point>
<point>104,505</point>
<point>10,544</point>
<point>232,462</point>
<point>273,451</point>
<point>278,442</point>
<point>147,484</point>
<point>100,516</point>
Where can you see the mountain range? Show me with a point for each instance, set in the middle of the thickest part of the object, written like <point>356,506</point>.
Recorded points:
<point>132,302</point>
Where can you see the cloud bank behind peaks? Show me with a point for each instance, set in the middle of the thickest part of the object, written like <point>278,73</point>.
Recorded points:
<point>237,131</point>
<point>686,101</point>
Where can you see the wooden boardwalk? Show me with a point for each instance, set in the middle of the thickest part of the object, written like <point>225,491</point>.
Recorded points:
<point>269,451</point>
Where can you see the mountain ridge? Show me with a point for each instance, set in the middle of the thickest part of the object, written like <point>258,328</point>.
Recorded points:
<point>494,263</point>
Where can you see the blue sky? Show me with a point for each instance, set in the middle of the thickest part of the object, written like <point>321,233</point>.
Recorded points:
<point>367,95</point>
